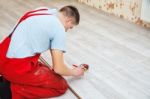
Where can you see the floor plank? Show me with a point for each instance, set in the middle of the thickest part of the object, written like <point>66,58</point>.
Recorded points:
<point>117,51</point>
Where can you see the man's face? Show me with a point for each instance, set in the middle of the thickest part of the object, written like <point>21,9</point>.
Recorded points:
<point>69,23</point>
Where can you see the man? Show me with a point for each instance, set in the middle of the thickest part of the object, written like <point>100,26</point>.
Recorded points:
<point>38,31</point>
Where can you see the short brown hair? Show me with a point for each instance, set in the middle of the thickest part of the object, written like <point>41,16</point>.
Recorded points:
<point>71,11</point>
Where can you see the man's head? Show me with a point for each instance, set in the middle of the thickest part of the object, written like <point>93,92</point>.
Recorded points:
<point>69,16</point>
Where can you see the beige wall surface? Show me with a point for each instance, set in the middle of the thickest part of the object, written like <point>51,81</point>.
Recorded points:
<point>126,9</point>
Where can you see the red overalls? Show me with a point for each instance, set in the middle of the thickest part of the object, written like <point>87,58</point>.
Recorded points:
<point>29,78</point>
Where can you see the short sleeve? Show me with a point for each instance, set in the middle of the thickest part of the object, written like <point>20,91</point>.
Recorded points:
<point>59,41</point>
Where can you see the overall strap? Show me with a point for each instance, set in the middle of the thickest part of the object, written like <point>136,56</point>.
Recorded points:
<point>27,15</point>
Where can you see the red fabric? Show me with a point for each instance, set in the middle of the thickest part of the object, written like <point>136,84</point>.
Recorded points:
<point>29,78</point>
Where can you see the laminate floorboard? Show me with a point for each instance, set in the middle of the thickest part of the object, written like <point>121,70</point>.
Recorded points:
<point>117,51</point>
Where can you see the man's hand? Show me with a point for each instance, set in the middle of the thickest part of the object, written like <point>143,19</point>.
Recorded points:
<point>78,71</point>
<point>60,67</point>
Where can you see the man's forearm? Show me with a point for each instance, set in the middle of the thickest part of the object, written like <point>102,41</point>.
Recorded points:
<point>64,71</point>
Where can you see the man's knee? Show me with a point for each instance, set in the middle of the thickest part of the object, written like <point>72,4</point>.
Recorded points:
<point>64,87</point>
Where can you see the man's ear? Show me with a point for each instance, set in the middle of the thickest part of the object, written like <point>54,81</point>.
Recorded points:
<point>69,19</point>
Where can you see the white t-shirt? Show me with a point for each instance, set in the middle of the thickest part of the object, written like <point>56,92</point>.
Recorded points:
<point>37,34</point>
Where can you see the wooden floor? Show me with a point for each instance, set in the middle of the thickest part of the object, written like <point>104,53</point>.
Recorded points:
<point>117,51</point>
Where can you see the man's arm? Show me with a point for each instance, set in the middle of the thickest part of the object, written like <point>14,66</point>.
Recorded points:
<point>60,67</point>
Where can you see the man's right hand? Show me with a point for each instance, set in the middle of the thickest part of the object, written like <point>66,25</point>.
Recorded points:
<point>78,71</point>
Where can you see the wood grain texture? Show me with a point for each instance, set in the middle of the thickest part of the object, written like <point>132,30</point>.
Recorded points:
<point>117,51</point>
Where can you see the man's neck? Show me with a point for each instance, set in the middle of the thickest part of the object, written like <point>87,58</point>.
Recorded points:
<point>61,18</point>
